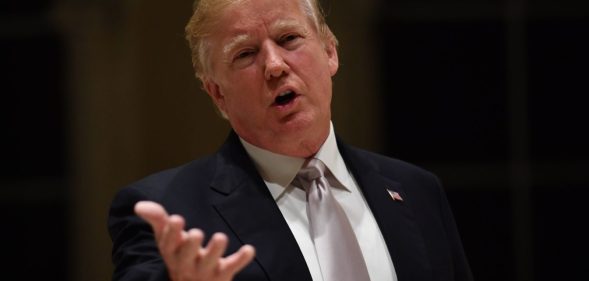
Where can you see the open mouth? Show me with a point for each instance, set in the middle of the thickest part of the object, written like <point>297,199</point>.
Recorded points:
<point>285,98</point>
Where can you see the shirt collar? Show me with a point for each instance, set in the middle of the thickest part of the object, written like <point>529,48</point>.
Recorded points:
<point>330,156</point>
<point>279,170</point>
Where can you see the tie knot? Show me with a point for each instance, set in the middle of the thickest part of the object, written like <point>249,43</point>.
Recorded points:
<point>312,171</point>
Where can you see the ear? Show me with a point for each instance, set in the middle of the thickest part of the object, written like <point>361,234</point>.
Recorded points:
<point>333,60</point>
<point>214,91</point>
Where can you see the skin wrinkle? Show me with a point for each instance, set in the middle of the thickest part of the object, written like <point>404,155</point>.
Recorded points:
<point>282,58</point>
<point>234,44</point>
<point>198,28</point>
<point>280,28</point>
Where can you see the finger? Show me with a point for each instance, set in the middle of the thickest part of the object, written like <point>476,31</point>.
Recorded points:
<point>172,236</point>
<point>238,260</point>
<point>212,253</point>
<point>190,249</point>
<point>154,214</point>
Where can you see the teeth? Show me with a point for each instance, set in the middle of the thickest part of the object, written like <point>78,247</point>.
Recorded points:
<point>285,93</point>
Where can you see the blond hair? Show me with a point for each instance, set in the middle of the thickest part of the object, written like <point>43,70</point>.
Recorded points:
<point>205,16</point>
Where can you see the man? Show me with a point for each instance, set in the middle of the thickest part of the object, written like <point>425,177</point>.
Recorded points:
<point>267,66</point>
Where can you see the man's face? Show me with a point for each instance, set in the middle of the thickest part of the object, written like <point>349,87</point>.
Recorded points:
<point>270,73</point>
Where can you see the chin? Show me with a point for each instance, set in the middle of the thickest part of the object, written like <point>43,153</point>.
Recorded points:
<point>295,131</point>
<point>304,121</point>
<point>296,142</point>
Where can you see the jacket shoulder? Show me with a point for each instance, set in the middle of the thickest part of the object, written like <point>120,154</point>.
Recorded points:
<point>155,186</point>
<point>391,167</point>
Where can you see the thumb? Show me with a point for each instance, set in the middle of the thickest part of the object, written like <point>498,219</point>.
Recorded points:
<point>154,214</point>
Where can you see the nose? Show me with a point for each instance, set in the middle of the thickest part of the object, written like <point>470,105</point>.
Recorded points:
<point>274,64</point>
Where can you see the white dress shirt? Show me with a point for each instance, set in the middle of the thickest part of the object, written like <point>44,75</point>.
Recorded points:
<point>278,171</point>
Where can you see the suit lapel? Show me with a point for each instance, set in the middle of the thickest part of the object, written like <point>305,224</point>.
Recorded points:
<point>252,214</point>
<point>395,218</point>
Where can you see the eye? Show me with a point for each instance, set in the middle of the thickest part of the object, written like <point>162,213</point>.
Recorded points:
<point>244,57</point>
<point>289,39</point>
<point>243,54</point>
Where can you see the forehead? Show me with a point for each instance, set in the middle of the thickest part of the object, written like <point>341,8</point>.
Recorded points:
<point>246,15</point>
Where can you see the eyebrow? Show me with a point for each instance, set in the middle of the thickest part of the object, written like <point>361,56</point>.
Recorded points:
<point>235,41</point>
<point>278,26</point>
<point>286,24</point>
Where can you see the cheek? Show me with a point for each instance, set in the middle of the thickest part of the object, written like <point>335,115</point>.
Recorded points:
<point>316,64</point>
<point>242,99</point>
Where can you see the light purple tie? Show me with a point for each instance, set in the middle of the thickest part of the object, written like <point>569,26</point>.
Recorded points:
<point>339,254</point>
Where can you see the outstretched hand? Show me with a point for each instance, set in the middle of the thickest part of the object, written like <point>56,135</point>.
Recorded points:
<point>183,252</point>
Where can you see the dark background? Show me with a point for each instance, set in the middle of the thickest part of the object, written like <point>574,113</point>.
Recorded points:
<point>489,95</point>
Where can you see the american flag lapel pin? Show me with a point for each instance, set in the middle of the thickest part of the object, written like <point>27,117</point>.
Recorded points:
<point>395,195</point>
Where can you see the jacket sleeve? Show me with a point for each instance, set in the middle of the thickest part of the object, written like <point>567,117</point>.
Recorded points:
<point>135,254</point>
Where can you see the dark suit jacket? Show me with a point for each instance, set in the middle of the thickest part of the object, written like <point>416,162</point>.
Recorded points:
<point>225,193</point>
